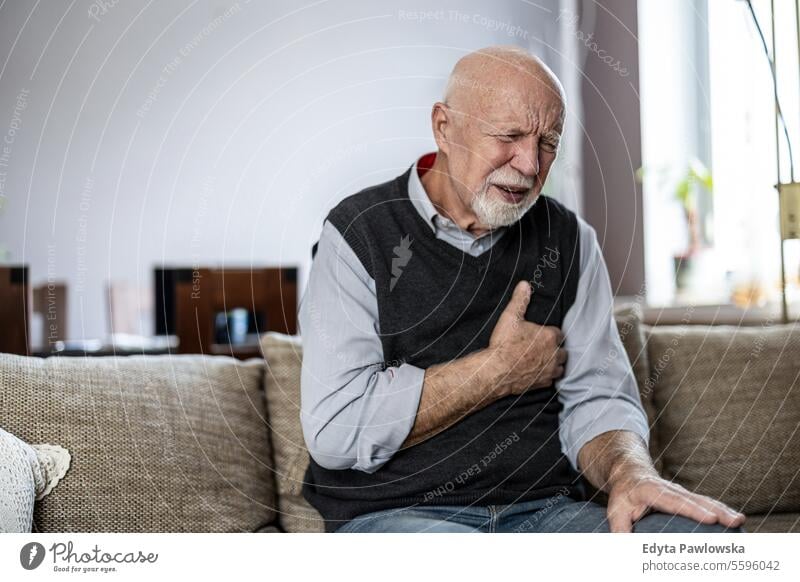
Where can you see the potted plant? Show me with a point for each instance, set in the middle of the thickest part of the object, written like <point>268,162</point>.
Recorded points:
<point>696,178</point>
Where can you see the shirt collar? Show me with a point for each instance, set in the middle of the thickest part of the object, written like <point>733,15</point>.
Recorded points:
<point>419,197</point>
<point>422,203</point>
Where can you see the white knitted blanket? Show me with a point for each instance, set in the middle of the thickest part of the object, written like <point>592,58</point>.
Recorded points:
<point>27,473</point>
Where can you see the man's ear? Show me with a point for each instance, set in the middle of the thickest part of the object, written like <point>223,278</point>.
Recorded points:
<point>442,126</point>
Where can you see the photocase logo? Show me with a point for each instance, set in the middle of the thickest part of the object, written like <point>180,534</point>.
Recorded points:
<point>402,254</point>
<point>31,555</point>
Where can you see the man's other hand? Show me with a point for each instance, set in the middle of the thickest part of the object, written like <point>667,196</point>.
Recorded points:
<point>633,497</point>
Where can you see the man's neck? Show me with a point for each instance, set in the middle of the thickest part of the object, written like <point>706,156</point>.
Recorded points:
<point>446,200</point>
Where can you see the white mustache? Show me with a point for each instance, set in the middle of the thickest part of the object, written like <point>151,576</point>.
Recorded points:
<point>511,179</point>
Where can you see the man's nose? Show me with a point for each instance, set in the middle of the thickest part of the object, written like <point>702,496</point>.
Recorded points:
<point>526,157</point>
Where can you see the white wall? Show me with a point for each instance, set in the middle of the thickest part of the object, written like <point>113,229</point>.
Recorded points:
<point>153,133</point>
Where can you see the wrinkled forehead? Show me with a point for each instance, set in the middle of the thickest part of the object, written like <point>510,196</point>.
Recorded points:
<point>517,98</point>
<point>527,113</point>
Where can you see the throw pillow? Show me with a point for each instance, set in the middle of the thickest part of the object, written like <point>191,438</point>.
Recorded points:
<point>284,356</point>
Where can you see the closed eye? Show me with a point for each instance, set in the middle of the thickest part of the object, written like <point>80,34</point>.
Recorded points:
<point>508,137</point>
<point>549,145</point>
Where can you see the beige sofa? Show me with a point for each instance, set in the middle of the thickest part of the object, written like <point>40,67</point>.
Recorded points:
<point>210,444</point>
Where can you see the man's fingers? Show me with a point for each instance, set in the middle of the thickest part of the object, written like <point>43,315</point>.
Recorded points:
<point>561,356</point>
<point>723,514</point>
<point>677,503</point>
<point>727,515</point>
<point>619,519</point>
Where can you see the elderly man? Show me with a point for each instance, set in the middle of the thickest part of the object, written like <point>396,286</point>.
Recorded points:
<point>462,371</point>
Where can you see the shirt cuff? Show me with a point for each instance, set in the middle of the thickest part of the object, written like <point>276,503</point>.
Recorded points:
<point>586,422</point>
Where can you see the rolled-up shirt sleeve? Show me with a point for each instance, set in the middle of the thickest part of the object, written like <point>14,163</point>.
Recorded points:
<point>598,390</point>
<point>356,408</point>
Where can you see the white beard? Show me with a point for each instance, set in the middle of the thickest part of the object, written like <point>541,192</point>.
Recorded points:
<point>495,212</point>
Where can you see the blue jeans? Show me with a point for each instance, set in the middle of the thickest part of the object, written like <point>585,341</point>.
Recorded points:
<point>550,515</point>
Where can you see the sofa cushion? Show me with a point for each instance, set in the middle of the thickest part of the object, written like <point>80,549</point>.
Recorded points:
<point>728,404</point>
<point>628,318</point>
<point>773,523</point>
<point>284,356</point>
<point>158,443</point>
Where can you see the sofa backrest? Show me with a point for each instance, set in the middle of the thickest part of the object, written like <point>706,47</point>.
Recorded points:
<point>158,443</point>
<point>727,411</point>
<point>196,443</point>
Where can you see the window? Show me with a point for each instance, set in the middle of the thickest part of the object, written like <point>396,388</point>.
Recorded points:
<point>707,104</point>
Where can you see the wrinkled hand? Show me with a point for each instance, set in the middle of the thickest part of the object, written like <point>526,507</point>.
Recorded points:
<point>635,496</point>
<point>527,355</point>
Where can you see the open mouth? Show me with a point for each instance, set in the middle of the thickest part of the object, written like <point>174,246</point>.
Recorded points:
<point>513,194</point>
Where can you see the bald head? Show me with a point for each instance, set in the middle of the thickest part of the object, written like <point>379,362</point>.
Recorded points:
<point>499,72</point>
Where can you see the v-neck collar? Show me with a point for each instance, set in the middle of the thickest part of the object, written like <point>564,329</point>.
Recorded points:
<point>496,249</point>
